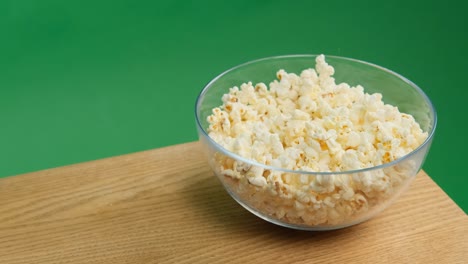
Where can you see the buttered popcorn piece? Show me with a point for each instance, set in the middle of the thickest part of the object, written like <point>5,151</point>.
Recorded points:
<point>310,123</point>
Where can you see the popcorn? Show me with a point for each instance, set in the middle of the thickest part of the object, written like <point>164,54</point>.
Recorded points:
<point>310,123</point>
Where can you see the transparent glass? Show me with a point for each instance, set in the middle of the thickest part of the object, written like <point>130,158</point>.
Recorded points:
<point>314,200</point>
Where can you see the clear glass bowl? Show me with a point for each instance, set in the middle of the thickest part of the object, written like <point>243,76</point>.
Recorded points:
<point>320,209</point>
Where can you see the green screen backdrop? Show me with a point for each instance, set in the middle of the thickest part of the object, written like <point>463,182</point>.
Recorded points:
<point>83,80</point>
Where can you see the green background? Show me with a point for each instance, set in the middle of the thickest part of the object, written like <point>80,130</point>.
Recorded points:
<point>83,80</point>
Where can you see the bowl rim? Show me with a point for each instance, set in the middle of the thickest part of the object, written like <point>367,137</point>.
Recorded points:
<point>204,133</point>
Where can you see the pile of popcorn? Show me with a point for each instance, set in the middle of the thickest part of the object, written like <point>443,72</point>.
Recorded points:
<point>310,123</point>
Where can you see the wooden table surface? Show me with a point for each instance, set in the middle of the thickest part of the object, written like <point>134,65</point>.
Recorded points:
<point>165,206</point>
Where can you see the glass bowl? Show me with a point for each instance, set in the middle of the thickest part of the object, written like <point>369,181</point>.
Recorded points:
<point>306,208</point>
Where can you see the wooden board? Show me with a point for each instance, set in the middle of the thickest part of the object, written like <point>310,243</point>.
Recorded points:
<point>165,206</point>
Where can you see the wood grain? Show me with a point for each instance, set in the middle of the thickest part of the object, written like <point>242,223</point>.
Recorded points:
<point>165,206</point>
